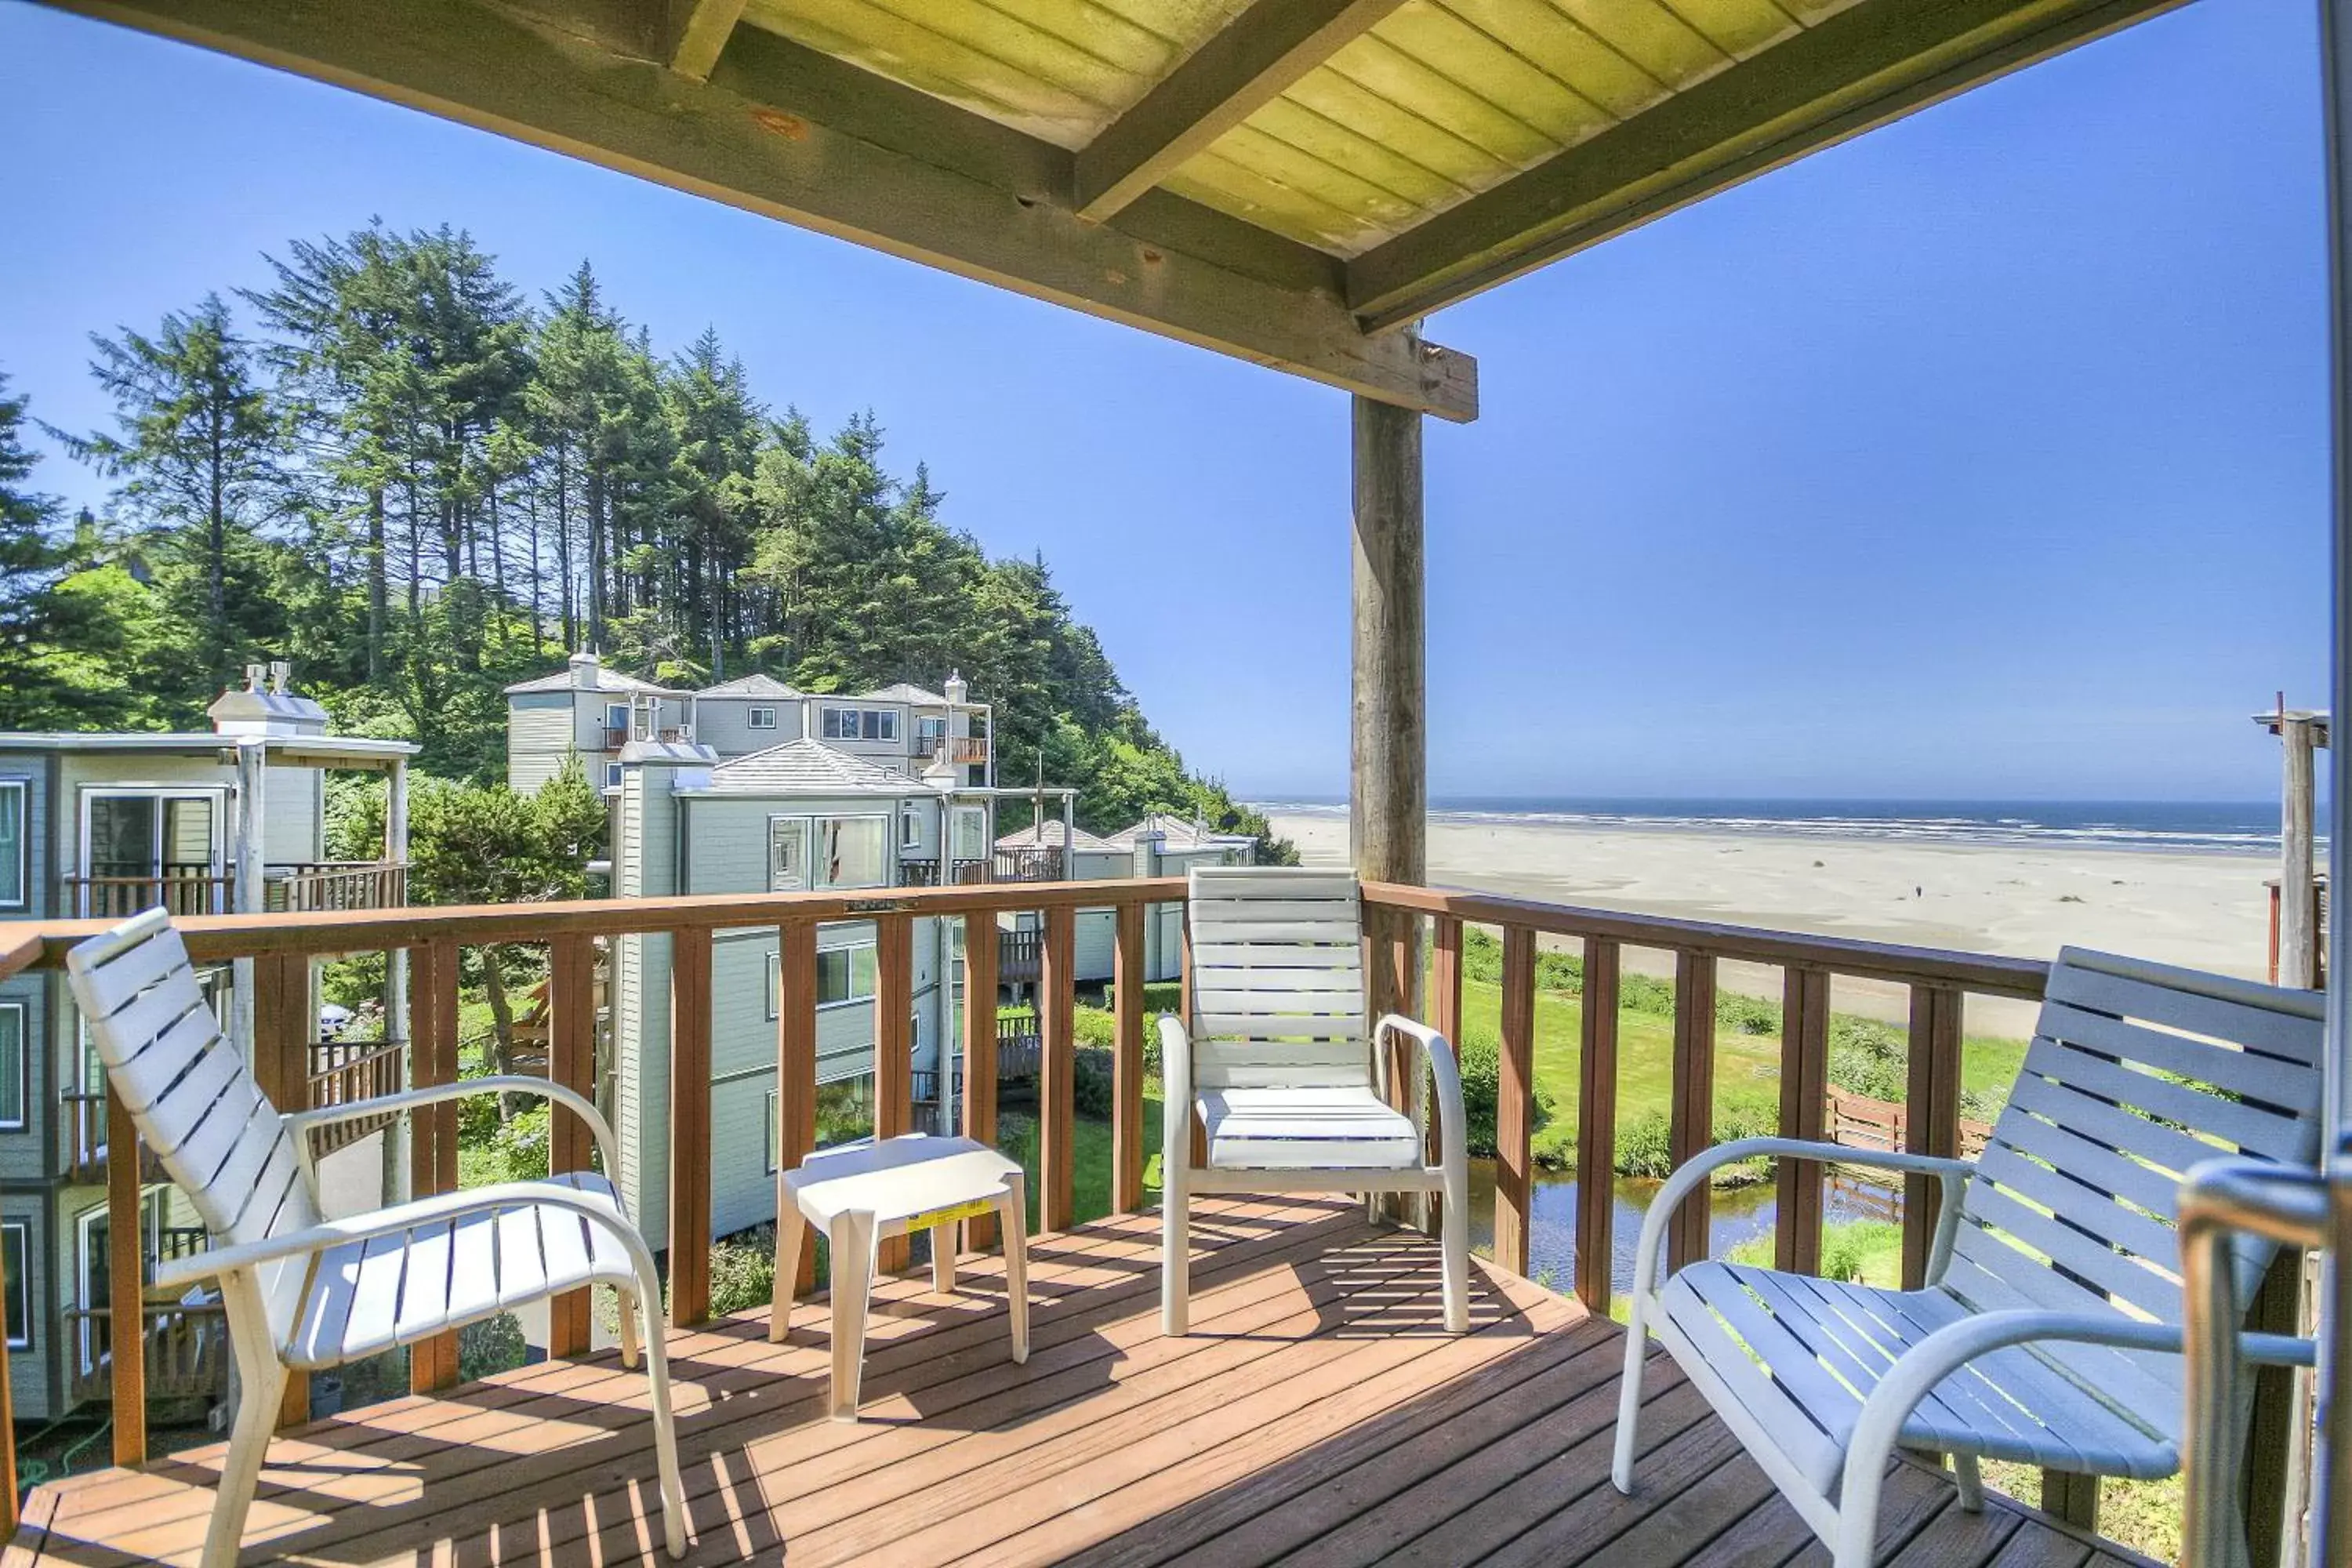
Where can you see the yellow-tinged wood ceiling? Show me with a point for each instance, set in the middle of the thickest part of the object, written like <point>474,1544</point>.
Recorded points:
<point>1437,101</point>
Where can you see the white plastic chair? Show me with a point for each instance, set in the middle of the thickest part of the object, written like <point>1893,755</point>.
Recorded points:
<point>310,1293</point>
<point>1285,1074</point>
<point>2049,1328</point>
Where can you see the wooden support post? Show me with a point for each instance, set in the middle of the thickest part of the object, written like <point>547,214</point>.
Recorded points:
<point>11,1506</point>
<point>689,1126</point>
<point>1691,1129</point>
<point>1200,1151</point>
<point>1444,1004</point>
<point>1391,942</point>
<point>1596,1130</point>
<point>1057,1067</point>
<point>980,966</point>
<point>1804,1095</point>
<point>1514,1101</point>
<point>2298,957</point>
<point>2271,1479</point>
<point>1931,1116</point>
<point>796,1065</point>
<point>894,1067</point>
<point>2072,1497</point>
<point>126,1284</point>
<point>571,1062</point>
<point>1127,1062</point>
<point>284,1019</point>
<point>1388,796</point>
<point>433,1130</point>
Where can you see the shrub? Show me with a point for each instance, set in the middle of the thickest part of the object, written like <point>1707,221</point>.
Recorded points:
<point>494,1344</point>
<point>743,1271</point>
<point>1090,1083</point>
<point>1868,1058</point>
<point>1480,1063</point>
<point>1096,1026</point>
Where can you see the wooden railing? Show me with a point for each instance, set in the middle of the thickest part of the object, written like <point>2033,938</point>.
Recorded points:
<point>1399,920</point>
<point>344,1071</point>
<point>959,748</point>
<point>1017,957</point>
<point>311,886</point>
<point>194,888</point>
<point>1862,1122</point>
<point>1033,863</point>
<point>186,1352</point>
<point>1017,1047</point>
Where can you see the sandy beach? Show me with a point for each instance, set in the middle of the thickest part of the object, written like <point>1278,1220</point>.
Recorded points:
<point>2207,911</point>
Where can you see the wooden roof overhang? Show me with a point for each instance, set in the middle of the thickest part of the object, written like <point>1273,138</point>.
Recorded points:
<point>1296,182</point>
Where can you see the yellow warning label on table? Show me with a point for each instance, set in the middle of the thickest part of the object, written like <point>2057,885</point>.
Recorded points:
<point>952,1213</point>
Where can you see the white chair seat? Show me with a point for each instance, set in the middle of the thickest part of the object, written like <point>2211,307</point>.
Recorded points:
<point>367,1297</point>
<point>1800,1354</point>
<point>1341,1129</point>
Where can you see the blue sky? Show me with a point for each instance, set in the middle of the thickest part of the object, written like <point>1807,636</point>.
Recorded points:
<point>1983,456</point>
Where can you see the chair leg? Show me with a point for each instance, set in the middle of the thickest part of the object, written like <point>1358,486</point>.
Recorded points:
<point>628,1303</point>
<point>1971,1477</point>
<point>1175,1258</point>
<point>790,1229</point>
<point>673,1489</point>
<point>260,1391</point>
<point>1454,1247</point>
<point>943,1258</point>
<point>1629,1395</point>
<point>1013,1221</point>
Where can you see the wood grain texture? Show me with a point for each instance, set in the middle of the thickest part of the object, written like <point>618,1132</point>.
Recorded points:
<point>796,1065</point>
<point>980,957</point>
<point>1388,800</point>
<point>285,1018</point>
<point>1316,1416</point>
<point>894,1067</point>
<point>690,1127</point>
<point>1128,979</point>
<point>571,1062</point>
<point>1057,1050</point>
<point>1691,1129</point>
<point>1514,1102</point>
<point>1596,1127</point>
<point>1932,1110</point>
<point>1804,1093</point>
<point>433,1130</point>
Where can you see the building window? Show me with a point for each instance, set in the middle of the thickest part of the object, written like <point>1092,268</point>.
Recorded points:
<point>972,833</point>
<point>14,1286</point>
<point>911,826</point>
<point>858,724</point>
<point>612,775</point>
<point>851,852</point>
<point>14,1090</point>
<point>788,854</point>
<point>845,974</point>
<point>616,717</point>
<point>760,718</point>
<point>12,847</point>
<point>775,1132</point>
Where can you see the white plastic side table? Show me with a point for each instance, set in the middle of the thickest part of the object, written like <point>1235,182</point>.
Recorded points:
<point>859,1195</point>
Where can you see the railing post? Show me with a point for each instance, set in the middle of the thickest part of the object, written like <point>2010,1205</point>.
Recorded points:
<point>1596,1129</point>
<point>1691,1131</point>
<point>1445,1013</point>
<point>125,1281</point>
<point>1057,1068</point>
<point>1932,1114</point>
<point>1391,938</point>
<point>894,1067</point>
<point>1200,1144</point>
<point>2271,1445</point>
<point>283,1022</point>
<point>980,981</point>
<point>689,1126</point>
<point>1804,1095</point>
<point>433,1130</point>
<point>1514,1101</point>
<point>796,1067</point>
<point>571,1062</point>
<point>1127,1062</point>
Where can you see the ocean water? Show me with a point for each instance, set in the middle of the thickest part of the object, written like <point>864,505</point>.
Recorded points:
<point>2207,827</point>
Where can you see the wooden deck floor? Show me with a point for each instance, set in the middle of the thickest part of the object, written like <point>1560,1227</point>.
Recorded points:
<point>1317,1416</point>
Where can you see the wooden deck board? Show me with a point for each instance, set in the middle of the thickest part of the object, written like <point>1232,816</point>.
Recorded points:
<point>1317,1415</point>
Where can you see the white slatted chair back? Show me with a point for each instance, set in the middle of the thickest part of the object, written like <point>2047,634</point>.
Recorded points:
<point>1277,979</point>
<point>2137,1071</point>
<point>193,1096</point>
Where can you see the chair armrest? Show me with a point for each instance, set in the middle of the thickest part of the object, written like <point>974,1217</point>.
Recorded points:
<point>1445,1072</point>
<point>1685,1178</point>
<point>595,1208</point>
<point>1175,1099</point>
<point>300,1123</point>
<point>1919,1370</point>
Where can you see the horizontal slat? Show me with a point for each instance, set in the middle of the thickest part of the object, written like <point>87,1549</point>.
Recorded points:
<point>2271,1019</point>
<point>2251,1129</point>
<point>2122,1277</point>
<point>1220,958</point>
<point>107,988</point>
<point>1270,881</point>
<point>1246,987</point>
<point>1209,913</point>
<point>2271,1080</point>
<point>1283,1075</point>
<point>2168,1148</point>
<point>2158,1192</point>
<point>1209,1027</point>
<point>2117,1224</point>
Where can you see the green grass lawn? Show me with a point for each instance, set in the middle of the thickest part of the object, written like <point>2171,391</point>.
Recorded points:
<point>1016,1127</point>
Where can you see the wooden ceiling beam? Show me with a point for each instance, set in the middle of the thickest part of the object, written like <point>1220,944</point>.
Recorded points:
<point>1857,70</point>
<point>1243,66</point>
<point>890,169</point>
<point>697,32</point>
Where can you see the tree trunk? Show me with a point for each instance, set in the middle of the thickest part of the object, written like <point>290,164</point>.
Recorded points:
<point>376,585</point>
